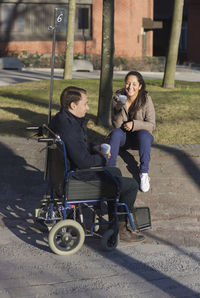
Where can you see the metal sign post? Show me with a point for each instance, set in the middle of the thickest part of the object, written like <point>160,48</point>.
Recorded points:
<point>60,17</point>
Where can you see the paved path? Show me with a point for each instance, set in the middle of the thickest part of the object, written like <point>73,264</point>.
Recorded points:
<point>12,77</point>
<point>167,264</point>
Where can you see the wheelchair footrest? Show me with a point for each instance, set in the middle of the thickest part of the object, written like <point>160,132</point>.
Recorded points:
<point>121,213</point>
<point>142,218</point>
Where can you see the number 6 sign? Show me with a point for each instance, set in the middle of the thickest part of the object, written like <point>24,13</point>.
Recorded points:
<point>61,18</point>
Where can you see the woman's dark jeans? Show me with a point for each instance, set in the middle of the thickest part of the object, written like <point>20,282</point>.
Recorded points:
<point>141,139</point>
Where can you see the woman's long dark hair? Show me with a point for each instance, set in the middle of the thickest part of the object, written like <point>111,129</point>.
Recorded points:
<point>141,97</point>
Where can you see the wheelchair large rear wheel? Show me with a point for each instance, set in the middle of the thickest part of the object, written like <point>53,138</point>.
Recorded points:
<point>66,237</point>
<point>109,240</point>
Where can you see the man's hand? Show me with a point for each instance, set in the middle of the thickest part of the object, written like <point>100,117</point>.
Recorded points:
<point>128,126</point>
<point>97,148</point>
<point>109,155</point>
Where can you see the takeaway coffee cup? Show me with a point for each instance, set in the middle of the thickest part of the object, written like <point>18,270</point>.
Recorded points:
<point>105,149</point>
<point>123,99</point>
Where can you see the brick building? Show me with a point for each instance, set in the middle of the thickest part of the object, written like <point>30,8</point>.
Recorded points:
<point>189,47</point>
<point>193,25</point>
<point>24,27</point>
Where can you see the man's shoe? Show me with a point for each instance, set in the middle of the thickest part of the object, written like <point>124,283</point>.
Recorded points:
<point>129,236</point>
<point>144,182</point>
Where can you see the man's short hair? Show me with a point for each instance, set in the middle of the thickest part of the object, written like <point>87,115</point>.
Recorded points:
<point>71,94</point>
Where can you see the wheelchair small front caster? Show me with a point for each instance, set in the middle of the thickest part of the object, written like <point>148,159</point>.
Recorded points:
<point>66,237</point>
<point>96,221</point>
<point>109,240</point>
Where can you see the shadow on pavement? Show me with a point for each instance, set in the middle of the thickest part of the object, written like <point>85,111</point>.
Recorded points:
<point>131,164</point>
<point>22,187</point>
<point>174,246</point>
<point>25,118</point>
<point>153,276</point>
<point>185,162</point>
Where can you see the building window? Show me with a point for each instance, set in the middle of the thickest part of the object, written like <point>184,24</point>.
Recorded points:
<point>183,38</point>
<point>83,22</point>
<point>83,18</point>
<point>12,17</point>
<point>31,22</point>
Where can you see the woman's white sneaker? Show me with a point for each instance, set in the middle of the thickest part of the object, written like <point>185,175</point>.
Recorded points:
<point>144,182</point>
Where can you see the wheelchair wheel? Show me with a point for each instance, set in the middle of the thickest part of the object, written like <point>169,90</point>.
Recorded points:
<point>66,237</point>
<point>109,240</point>
<point>95,220</point>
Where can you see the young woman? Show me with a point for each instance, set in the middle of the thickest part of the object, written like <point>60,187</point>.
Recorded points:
<point>134,122</point>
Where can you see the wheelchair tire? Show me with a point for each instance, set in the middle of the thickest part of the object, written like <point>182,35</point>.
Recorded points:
<point>109,240</point>
<point>66,237</point>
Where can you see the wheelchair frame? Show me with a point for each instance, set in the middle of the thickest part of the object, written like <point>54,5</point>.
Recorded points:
<point>63,218</point>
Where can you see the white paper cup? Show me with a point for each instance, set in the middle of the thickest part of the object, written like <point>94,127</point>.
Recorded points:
<point>123,99</point>
<point>105,149</point>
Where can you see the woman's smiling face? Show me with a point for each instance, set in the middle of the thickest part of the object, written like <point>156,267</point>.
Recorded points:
<point>132,86</point>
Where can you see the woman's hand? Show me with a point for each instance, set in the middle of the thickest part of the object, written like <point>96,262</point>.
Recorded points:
<point>128,125</point>
<point>118,105</point>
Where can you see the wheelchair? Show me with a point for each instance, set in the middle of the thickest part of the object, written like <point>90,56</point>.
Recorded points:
<point>73,206</point>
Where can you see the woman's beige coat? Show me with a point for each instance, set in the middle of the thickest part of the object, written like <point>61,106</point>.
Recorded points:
<point>144,118</point>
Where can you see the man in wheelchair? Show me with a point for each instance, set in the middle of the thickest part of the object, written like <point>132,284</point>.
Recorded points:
<point>71,125</point>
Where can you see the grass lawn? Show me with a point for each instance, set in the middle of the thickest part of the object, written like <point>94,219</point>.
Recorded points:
<point>177,110</point>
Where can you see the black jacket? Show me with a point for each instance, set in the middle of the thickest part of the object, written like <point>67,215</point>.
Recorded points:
<point>73,131</point>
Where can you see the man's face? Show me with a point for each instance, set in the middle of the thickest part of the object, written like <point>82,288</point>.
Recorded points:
<point>80,109</point>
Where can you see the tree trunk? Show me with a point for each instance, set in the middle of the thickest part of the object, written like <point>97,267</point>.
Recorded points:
<point>107,52</point>
<point>170,67</point>
<point>69,53</point>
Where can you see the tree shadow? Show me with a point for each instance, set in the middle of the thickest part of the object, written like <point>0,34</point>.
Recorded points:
<point>154,277</point>
<point>131,163</point>
<point>26,115</point>
<point>184,160</point>
<point>95,137</point>
<point>8,29</point>
<point>42,102</point>
<point>170,244</point>
<point>182,157</point>
<point>22,187</point>
<point>9,33</point>
<point>18,127</point>
<point>31,118</point>
<point>92,117</point>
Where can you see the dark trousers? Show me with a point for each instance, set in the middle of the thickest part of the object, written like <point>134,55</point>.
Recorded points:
<point>128,192</point>
<point>141,140</point>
